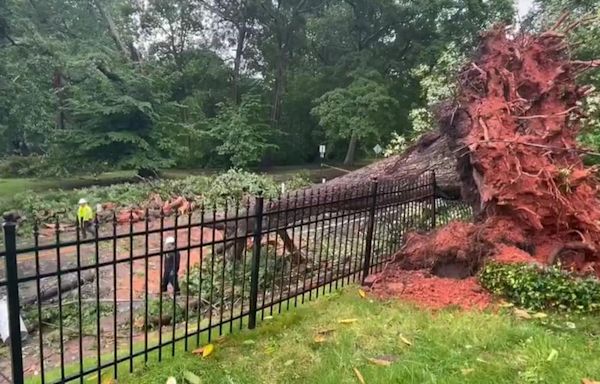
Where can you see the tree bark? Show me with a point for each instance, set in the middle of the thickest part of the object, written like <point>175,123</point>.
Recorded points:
<point>237,63</point>
<point>350,154</point>
<point>280,78</point>
<point>59,84</point>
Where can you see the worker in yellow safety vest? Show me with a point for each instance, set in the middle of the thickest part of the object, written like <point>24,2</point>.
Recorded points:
<point>85,218</point>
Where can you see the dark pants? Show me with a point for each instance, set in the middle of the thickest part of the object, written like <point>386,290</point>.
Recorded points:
<point>87,226</point>
<point>171,268</point>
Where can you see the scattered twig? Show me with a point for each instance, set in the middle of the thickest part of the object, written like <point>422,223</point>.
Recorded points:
<point>550,34</point>
<point>479,69</point>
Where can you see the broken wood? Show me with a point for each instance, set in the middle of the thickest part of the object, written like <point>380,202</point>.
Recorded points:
<point>69,282</point>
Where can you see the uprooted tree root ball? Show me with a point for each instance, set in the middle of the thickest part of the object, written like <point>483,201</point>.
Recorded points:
<point>513,130</point>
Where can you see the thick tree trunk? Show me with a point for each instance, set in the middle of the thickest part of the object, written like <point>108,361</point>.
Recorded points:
<point>429,153</point>
<point>351,152</point>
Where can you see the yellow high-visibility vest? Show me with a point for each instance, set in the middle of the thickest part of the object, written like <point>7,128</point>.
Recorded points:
<point>84,213</point>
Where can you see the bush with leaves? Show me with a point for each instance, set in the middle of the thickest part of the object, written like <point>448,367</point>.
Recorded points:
<point>242,132</point>
<point>538,288</point>
<point>159,312</point>
<point>230,282</point>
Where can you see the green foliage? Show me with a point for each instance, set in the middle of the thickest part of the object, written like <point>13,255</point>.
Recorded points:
<point>51,320</point>
<point>99,84</point>
<point>15,166</point>
<point>228,187</point>
<point>241,132</point>
<point>298,181</point>
<point>113,117</point>
<point>362,109</point>
<point>168,304</point>
<point>230,281</point>
<point>437,83</point>
<point>537,288</point>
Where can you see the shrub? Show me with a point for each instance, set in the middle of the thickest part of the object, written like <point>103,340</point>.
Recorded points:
<point>537,288</point>
<point>159,313</point>
<point>19,166</point>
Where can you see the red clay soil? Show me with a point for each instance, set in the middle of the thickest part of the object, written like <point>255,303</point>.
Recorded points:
<point>514,128</point>
<point>431,292</point>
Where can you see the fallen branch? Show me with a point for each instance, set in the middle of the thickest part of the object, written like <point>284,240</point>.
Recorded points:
<point>69,283</point>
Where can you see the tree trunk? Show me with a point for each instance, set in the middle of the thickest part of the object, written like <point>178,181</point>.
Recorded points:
<point>280,74</point>
<point>59,84</point>
<point>237,63</point>
<point>350,154</point>
<point>112,28</point>
<point>430,153</point>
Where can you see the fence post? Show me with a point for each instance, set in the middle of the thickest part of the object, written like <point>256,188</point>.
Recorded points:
<point>433,197</point>
<point>370,229</point>
<point>12,287</point>
<point>258,212</point>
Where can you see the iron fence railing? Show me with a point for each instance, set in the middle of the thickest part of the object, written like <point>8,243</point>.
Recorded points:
<point>95,307</point>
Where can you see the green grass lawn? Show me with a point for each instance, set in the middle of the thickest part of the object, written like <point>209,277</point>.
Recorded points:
<point>10,186</point>
<point>424,347</point>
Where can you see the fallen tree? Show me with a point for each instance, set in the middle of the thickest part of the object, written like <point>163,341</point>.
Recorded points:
<point>513,130</point>
<point>431,153</point>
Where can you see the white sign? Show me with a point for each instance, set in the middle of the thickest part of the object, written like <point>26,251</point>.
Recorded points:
<point>322,150</point>
<point>377,149</point>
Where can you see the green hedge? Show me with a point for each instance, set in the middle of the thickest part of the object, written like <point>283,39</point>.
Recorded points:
<point>537,288</point>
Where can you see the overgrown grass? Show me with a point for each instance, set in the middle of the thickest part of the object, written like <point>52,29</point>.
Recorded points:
<point>445,347</point>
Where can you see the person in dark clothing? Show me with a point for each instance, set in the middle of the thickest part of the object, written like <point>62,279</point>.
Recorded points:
<point>171,266</point>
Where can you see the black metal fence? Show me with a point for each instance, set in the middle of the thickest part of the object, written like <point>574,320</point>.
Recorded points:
<point>94,307</point>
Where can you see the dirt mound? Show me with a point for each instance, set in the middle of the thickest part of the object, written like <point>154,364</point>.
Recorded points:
<point>513,129</point>
<point>428,291</point>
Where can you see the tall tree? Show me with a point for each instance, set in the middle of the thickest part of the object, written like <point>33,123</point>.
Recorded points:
<point>356,112</point>
<point>173,26</point>
<point>234,26</point>
<point>283,25</point>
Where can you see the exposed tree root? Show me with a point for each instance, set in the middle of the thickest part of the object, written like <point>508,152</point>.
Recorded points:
<point>514,136</point>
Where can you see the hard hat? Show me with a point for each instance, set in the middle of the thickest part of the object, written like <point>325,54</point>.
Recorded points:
<point>82,201</point>
<point>170,240</point>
